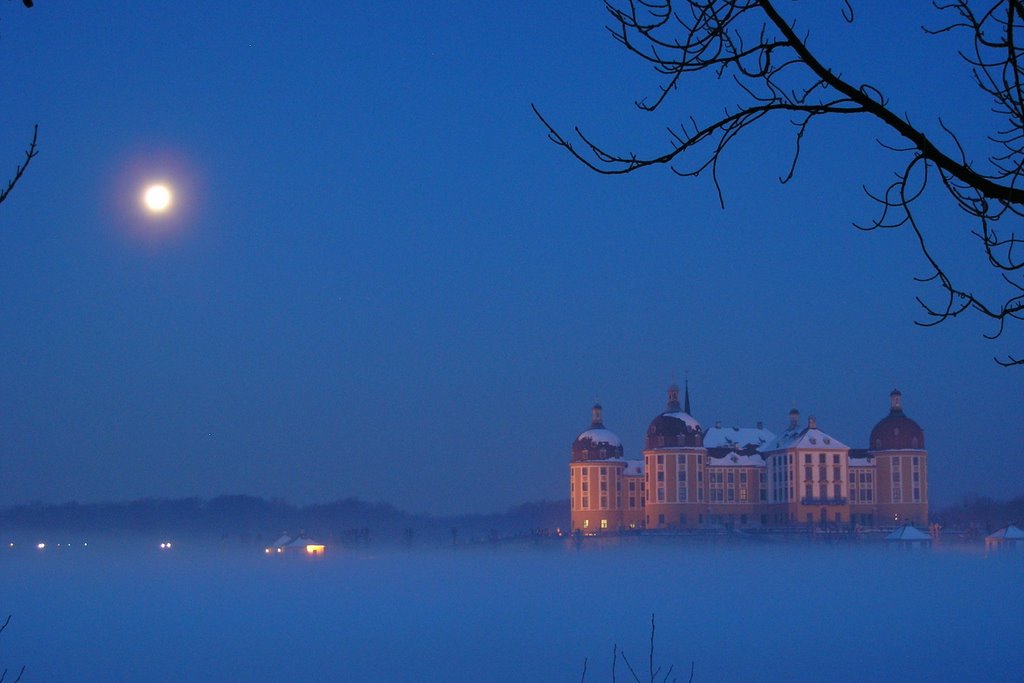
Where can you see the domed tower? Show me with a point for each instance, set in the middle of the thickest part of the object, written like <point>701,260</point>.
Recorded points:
<point>901,466</point>
<point>674,459</point>
<point>596,474</point>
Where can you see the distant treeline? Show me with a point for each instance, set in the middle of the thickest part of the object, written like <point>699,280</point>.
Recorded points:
<point>253,520</point>
<point>982,513</point>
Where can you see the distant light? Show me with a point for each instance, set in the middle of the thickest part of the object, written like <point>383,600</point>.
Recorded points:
<point>166,545</point>
<point>315,549</point>
<point>157,198</point>
<point>41,546</point>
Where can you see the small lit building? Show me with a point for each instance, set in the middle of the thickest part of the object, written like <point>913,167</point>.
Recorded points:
<point>295,545</point>
<point>1008,538</point>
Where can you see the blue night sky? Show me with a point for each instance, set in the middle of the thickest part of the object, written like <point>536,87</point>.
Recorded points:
<point>383,281</point>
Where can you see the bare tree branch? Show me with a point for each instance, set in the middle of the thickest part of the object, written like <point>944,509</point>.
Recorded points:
<point>31,153</point>
<point>750,44</point>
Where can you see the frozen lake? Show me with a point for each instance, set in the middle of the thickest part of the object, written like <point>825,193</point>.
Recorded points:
<point>787,612</point>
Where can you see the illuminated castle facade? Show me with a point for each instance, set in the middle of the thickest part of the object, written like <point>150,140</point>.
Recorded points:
<point>691,477</point>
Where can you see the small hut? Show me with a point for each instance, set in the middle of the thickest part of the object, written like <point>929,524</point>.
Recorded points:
<point>908,536</point>
<point>1010,537</point>
<point>294,545</point>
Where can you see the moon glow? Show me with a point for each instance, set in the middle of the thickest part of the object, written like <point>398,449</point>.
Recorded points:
<point>157,198</point>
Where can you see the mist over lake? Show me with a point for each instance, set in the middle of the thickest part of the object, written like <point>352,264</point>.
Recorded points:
<point>530,613</point>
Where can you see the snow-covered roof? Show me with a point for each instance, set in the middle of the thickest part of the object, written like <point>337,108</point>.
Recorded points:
<point>739,438</point>
<point>1011,533</point>
<point>861,462</point>
<point>809,437</point>
<point>634,467</point>
<point>690,421</point>
<point>301,541</point>
<point>737,460</point>
<point>908,533</point>
<point>283,541</point>
<point>600,436</point>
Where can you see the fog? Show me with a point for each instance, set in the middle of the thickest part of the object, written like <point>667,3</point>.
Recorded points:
<point>790,612</point>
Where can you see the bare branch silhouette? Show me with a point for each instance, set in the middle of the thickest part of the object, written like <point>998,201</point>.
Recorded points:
<point>653,671</point>
<point>750,44</point>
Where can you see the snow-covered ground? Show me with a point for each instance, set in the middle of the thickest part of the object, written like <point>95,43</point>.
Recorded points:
<point>774,612</point>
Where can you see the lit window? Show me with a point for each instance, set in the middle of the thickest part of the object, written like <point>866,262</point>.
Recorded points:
<point>604,523</point>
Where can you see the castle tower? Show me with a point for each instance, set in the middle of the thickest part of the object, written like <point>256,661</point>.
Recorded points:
<point>596,479</point>
<point>674,460</point>
<point>901,467</point>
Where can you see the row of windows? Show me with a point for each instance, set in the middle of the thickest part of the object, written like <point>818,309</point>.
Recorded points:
<point>821,458</point>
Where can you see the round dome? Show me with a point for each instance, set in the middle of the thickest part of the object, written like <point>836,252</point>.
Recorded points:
<point>675,427</point>
<point>896,431</point>
<point>597,443</point>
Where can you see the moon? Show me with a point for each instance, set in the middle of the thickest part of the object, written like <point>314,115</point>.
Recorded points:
<point>157,198</point>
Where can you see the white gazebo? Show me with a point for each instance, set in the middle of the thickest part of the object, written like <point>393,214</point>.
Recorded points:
<point>908,536</point>
<point>1009,537</point>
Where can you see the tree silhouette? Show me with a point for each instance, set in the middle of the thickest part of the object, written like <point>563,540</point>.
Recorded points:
<point>30,153</point>
<point>776,71</point>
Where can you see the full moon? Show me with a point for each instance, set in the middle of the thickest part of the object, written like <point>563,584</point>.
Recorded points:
<point>157,198</point>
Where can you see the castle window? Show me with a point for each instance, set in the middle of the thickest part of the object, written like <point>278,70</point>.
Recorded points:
<point>661,476</point>
<point>604,502</point>
<point>604,523</point>
<point>604,471</point>
<point>661,495</point>
<point>835,474</point>
<point>586,523</point>
<point>583,486</point>
<point>586,502</point>
<point>730,476</point>
<point>835,458</point>
<point>604,486</point>
<point>808,473</point>
<point>917,495</point>
<point>914,461</point>
<point>821,458</point>
<point>661,459</point>
<point>808,491</point>
<point>837,490</point>
<point>583,471</point>
<point>807,458</point>
<point>731,495</point>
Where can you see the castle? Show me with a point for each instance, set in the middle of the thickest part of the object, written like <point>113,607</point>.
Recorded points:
<point>691,477</point>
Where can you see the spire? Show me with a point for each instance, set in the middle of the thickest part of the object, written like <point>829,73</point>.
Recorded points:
<point>598,420</point>
<point>686,404</point>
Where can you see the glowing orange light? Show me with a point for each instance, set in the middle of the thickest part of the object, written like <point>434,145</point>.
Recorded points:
<point>315,549</point>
